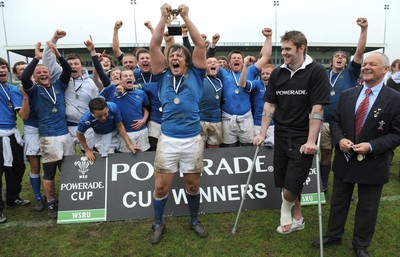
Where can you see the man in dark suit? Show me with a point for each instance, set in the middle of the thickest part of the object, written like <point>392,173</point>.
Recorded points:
<point>363,159</point>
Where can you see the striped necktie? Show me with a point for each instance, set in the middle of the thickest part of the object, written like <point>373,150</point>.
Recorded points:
<point>361,112</point>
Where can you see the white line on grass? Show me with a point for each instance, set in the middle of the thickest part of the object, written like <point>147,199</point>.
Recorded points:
<point>28,224</point>
<point>390,198</point>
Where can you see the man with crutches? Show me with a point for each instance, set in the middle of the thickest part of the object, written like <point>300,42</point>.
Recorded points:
<point>294,99</point>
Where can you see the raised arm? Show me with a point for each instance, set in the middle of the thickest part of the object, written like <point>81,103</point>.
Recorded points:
<point>266,50</point>
<point>199,51</point>
<point>362,41</point>
<point>66,68</point>
<point>158,62</point>
<point>149,26</point>
<point>115,45</point>
<point>96,79</point>
<point>49,59</point>
<point>169,41</point>
<point>211,49</point>
<point>248,60</point>
<point>185,38</point>
<point>96,63</point>
<point>25,110</point>
<point>28,72</point>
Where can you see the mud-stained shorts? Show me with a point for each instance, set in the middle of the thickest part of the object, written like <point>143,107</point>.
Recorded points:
<point>31,141</point>
<point>326,140</point>
<point>140,139</point>
<point>241,130</point>
<point>211,132</point>
<point>54,148</point>
<point>154,129</point>
<point>179,154</point>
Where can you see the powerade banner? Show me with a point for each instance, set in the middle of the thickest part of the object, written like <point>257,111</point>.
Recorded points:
<point>120,186</point>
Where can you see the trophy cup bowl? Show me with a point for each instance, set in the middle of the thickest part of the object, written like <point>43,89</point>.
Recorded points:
<point>174,28</point>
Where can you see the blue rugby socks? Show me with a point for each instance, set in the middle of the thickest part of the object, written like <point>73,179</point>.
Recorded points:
<point>35,183</point>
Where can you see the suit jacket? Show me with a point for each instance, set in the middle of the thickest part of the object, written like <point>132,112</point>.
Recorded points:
<point>381,129</point>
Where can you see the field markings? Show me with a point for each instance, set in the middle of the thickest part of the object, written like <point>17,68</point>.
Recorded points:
<point>390,198</point>
<point>28,224</point>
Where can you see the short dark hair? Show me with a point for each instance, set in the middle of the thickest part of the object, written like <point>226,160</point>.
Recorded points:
<point>4,62</point>
<point>179,47</point>
<point>129,55</point>
<point>235,52</point>
<point>140,51</point>
<point>395,62</point>
<point>73,56</point>
<point>221,57</point>
<point>14,68</point>
<point>296,37</point>
<point>97,104</point>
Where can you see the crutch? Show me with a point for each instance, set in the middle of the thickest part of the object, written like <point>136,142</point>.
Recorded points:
<point>245,190</point>
<point>321,245</point>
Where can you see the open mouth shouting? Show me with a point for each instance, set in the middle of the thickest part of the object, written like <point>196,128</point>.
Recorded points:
<point>74,73</point>
<point>129,84</point>
<point>146,66</point>
<point>175,67</point>
<point>3,77</point>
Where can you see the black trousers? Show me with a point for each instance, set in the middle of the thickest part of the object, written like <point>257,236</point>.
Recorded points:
<point>366,211</point>
<point>14,174</point>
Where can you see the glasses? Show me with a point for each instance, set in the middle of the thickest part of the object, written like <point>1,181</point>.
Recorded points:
<point>340,55</point>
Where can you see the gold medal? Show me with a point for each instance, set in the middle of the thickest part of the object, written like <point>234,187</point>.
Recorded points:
<point>176,100</point>
<point>332,92</point>
<point>237,91</point>
<point>54,110</point>
<point>217,97</point>
<point>360,157</point>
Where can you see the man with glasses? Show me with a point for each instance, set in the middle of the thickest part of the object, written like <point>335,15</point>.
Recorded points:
<point>342,75</point>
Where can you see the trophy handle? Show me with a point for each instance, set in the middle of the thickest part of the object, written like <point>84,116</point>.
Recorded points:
<point>174,13</point>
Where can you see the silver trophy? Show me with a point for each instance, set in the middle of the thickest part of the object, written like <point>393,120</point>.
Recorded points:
<point>174,28</point>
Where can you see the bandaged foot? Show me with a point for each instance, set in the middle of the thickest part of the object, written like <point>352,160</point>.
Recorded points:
<point>286,216</point>
<point>295,226</point>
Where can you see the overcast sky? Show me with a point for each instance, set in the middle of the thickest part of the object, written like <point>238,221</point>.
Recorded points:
<point>322,21</point>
